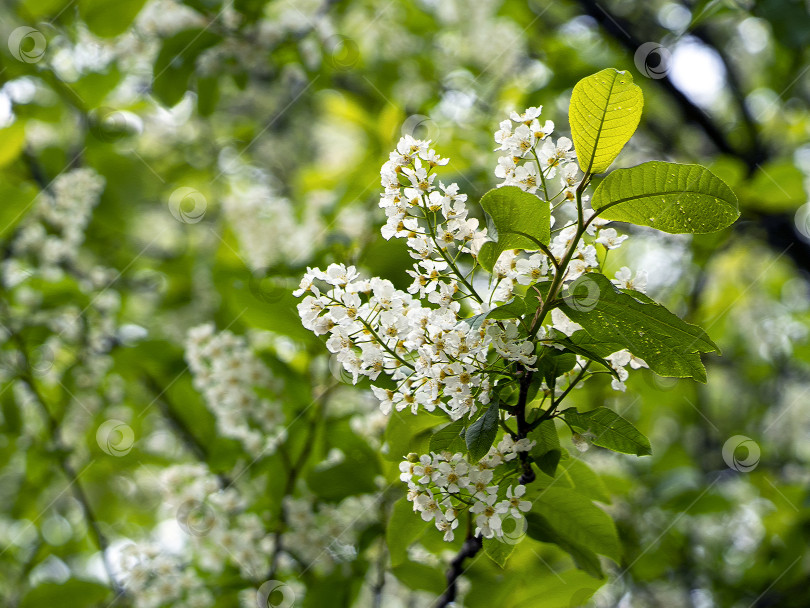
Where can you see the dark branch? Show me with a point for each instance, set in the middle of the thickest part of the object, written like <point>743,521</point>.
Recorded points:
<point>469,549</point>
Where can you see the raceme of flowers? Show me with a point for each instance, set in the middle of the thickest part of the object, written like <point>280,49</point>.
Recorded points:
<point>443,486</point>
<point>226,372</point>
<point>425,339</point>
<point>54,230</point>
<point>420,338</point>
<point>216,522</point>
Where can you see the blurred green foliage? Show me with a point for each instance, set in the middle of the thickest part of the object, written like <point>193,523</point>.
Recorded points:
<point>239,143</point>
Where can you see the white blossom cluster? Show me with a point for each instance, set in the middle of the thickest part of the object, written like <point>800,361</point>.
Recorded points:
<point>443,486</point>
<point>217,533</point>
<point>227,373</point>
<point>154,578</point>
<point>519,138</point>
<point>266,224</point>
<point>324,535</point>
<point>433,219</point>
<point>418,337</point>
<point>436,359</point>
<point>54,230</point>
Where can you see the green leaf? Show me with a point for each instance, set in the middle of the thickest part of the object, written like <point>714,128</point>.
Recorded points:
<point>513,309</point>
<point>207,95</point>
<point>74,593</point>
<point>448,437</point>
<point>546,452</point>
<point>671,347</point>
<point>553,363</point>
<point>574,517</point>
<point>611,430</point>
<point>407,433</point>
<point>604,113</point>
<point>108,18</point>
<point>12,142</point>
<point>519,221</point>
<point>569,344</point>
<point>584,480</point>
<point>175,63</point>
<point>403,529</point>
<point>420,576</point>
<point>668,197</point>
<point>540,529</point>
<point>17,200</point>
<point>498,551</point>
<point>481,433</point>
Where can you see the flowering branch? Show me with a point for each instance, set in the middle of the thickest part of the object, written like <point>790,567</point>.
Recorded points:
<point>534,327</point>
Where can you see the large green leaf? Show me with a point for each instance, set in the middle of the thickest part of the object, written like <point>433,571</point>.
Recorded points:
<point>175,64</point>
<point>448,437</point>
<point>546,452</point>
<point>583,479</point>
<point>519,221</point>
<point>574,517</point>
<point>671,347</point>
<point>498,550</point>
<point>668,197</point>
<point>553,363</point>
<point>604,113</point>
<point>74,593</point>
<point>579,349</point>
<point>540,529</point>
<point>12,142</point>
<point>404,528</point>
<point>610,430</point>
<point>481,433</point>
<point>108,18</point>
<point>406,433</point>
<point>18,199</point>
<point>420,576</point>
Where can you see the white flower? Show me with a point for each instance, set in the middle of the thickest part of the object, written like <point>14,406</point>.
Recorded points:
<point>488,520</point>
<point>623,280</point>
<point>452,476</point>
<point>562,323</point>
<point>610,239</point>
<point>516,505</point>
<point>447,526</point>
<point>528,115</point>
